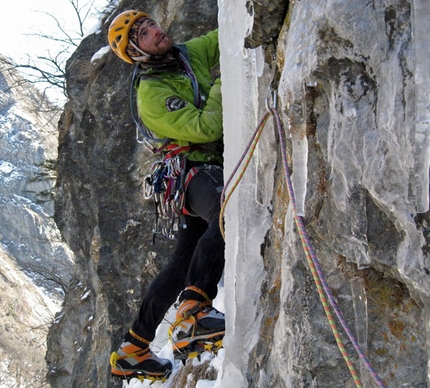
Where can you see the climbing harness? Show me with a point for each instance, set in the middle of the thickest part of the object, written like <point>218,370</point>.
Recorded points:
<point>167,184</point>
<point>323,289</point>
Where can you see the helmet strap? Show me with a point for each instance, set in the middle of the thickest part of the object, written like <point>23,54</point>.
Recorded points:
<point>146,57</point>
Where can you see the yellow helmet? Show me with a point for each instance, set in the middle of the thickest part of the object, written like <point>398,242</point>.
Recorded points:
<point>119,30</point>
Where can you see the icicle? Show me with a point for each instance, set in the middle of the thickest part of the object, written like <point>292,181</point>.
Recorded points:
<point>421,15</point>
<point>298,119</point>
<point>359,300</point>
<point>300,161</point>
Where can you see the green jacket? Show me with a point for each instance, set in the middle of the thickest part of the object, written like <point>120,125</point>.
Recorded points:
<point>165,101</point>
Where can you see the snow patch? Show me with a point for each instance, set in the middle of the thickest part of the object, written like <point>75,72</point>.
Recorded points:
<point>99,54</point>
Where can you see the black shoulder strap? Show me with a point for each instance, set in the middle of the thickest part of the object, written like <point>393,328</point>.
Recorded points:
<point>147,137</point>
<point>184,57</point>
<point>183,49</point>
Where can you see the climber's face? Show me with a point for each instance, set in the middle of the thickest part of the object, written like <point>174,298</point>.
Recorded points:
<point>152,39</point>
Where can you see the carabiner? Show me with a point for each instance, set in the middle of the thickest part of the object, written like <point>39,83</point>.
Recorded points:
<point>271,97</point>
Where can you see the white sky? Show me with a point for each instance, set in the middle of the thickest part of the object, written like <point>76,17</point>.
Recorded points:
<point>26,17</point>
<point>21,18</point>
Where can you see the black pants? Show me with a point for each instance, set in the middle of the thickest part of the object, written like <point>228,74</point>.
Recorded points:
<point>198,258</point>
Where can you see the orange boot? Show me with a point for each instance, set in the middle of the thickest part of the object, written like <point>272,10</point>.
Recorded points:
<point>134,359</point>
<point>198,325</point>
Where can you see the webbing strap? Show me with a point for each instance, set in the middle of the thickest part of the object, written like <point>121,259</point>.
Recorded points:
<point>198,291</point>
<point>138,337</point>
<point>175,149</point>
<point>190,174</point>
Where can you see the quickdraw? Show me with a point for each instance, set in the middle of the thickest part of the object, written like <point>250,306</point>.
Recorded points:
<point>165,185</point>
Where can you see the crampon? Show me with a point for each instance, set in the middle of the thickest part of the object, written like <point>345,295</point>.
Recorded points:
<point>142,377</point>
<point>196,348</point>
<point>199,327</point>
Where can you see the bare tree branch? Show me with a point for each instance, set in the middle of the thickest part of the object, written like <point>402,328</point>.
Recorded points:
<point>48,69</point>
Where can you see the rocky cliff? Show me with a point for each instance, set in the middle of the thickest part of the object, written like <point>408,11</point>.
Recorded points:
<point>351,89</point>
<point>35,265</point>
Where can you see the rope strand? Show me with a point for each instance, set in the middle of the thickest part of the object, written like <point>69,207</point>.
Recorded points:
<point>249,149</point>
<point>314,263</point>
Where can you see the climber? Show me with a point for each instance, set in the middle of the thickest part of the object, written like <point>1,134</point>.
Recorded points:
<point>178,99</point>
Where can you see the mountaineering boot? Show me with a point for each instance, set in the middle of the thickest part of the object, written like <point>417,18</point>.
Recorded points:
<point>134,359</point>
<point>198,327</point>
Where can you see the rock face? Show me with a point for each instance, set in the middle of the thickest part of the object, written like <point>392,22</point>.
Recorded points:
<point>350,82</point>
<point>35,266</point>
<point>27,173</point>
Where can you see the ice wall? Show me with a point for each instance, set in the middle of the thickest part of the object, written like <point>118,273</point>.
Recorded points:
<point>421,31</point>
<point>247,217</point>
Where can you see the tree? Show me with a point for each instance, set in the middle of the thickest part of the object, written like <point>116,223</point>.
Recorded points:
<point>47,70</point>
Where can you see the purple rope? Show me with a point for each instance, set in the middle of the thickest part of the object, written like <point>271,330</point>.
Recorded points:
<point>314,257</point>
<point>244,153</point>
